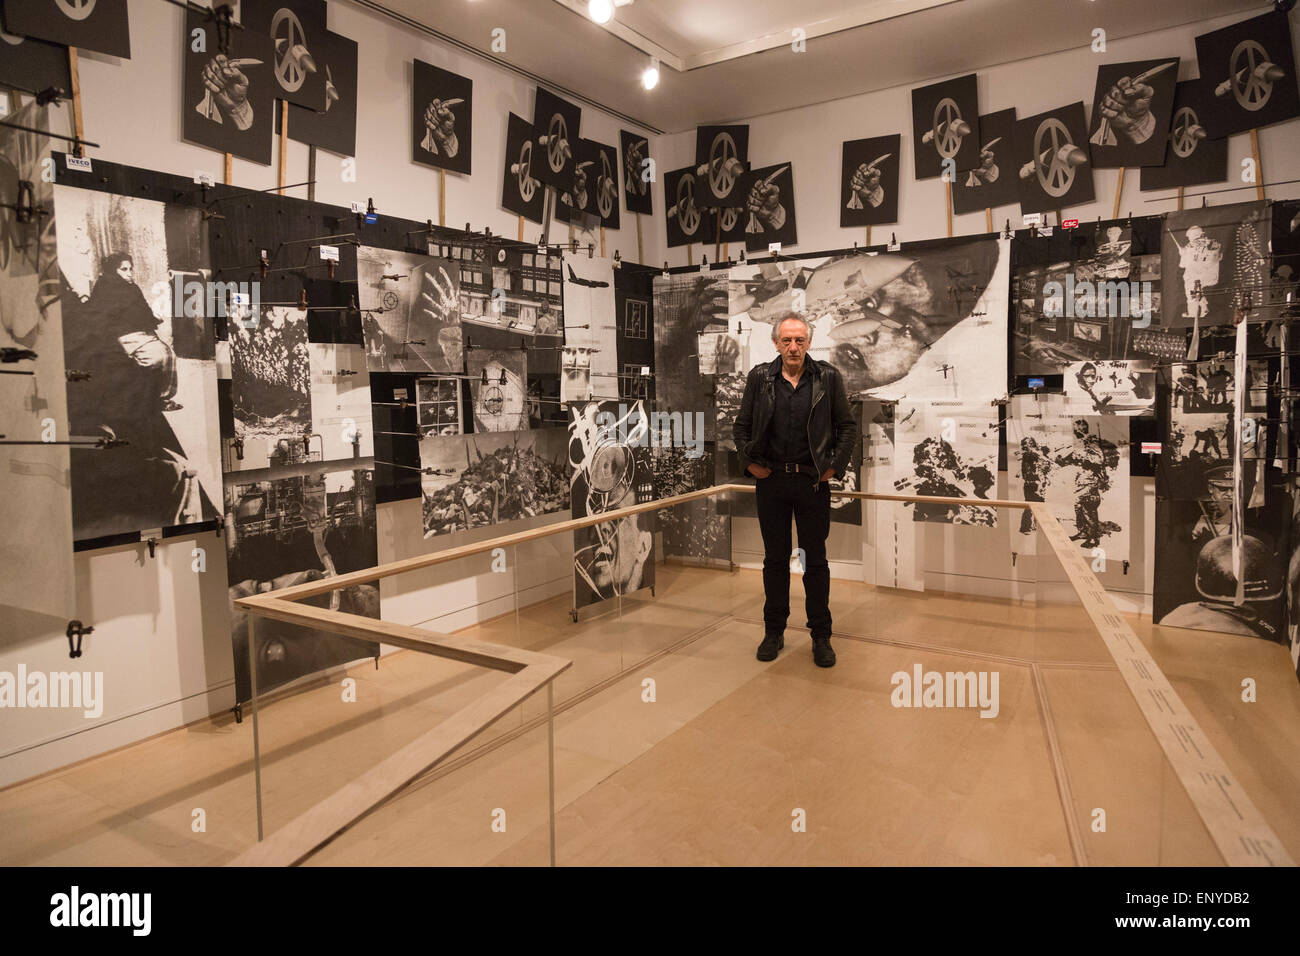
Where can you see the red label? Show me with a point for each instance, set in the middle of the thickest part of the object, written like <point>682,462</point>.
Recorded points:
<point>1069,224</point>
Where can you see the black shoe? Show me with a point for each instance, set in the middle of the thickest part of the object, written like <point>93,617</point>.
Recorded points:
<point>771,646</point>
<point>823,656</point>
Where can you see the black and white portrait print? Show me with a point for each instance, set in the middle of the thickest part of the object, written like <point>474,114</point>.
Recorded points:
<point>721,158</point>
<point>442,118</point>
<point>332,122</point>
<point>31,64</point>
<point>410,308</point>
<point>869,181</point>
<point>947,450</point>
<point>945,123</point>
<point>682,216</point>
<point>1131,111</point>
<point>98,25</point>
<point>993,182</point>
<point>1191,157</point>
<point>227,94</point>
<point>289,531</point>
<point>498,381</point>
<point>1213,258</point>
<point>521,191</point>
<point>471,481</point>
<point>153,370</point>
<point>1051,159</point>
<point>769,207</point>
<point>1250,67</point>
<point>556,130</point>
<point>638,171</point>
<point>296,29</point>
<point>1110,387</point>
<point>270,378</point>
<point>590,318</point>
<point>439,405</point>
<point>611,468</point>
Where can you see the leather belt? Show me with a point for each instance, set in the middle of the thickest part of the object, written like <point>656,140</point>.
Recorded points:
<point>791,467</point>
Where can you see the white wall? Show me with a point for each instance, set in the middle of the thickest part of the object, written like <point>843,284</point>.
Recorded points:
<point>162,636</point>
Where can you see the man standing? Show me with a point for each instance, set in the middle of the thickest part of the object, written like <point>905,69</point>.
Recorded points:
<point>794,432</point>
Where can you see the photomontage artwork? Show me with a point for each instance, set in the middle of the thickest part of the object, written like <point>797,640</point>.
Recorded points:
<point>611,467</point>
<point>945,125</point>
<point>993,182</point>
<point>686,306</point>
<point>556,125</point>
<point>1078,465</point>
<point>635,332</point>
<point>289,531</point>
<point>521,191</point>
<point>694,529</point>
<point>470,481</point>
<point>410,306</point>
<point>270,386</point>
<point>439,405</point>
<point>507,289</point>
<point>37,504</point>
<point>1131,111</point>
<point>330,122</point>
<point>769,207</point>
<point>442,108</point>
<point>634,153</point>
<point>98,25</point>
<point>1213,259</point>
<point>682,215</point>
<point>869,180</point>
<point>721,158</point>
<point>947,450</point>
<point>340,402</point>
<point>1196,459</point>
<point>1052,160</point>
<point>1251,67</point>
<point>594,192</point>
<point>227,92</point>
<point>498,381</point>
<point>153,372</point>
<point>1110,387</point>
<point>1191,157</point>
<point>590,320</point>
<point>297,31</point>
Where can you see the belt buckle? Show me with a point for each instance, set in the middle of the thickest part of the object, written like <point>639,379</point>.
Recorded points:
<point>789,467</point>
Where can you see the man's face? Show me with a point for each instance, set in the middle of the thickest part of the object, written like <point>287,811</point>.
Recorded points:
<point>792,342</point>
<point>616,555</point>
<point>1089,378</point>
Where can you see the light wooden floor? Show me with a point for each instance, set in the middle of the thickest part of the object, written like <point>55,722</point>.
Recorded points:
<point>712,771</point>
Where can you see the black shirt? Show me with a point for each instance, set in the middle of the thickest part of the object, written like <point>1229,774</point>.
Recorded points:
<point>787,438</point>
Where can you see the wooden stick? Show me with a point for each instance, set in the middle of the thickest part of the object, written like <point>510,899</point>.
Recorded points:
<point>78,130</point>
<point>947,198</point>
<point>229,170</point>
<point>311,173</point>
<point>690,253</point>
<point>988,219</point>
<point>521,228</point>
<point>602,242</point>
<point>717,237</point>
<point>868,236</point>
<point>1119,191</point>
<point>640,250</point>
<point>442,197</point>
<point>1180,198</point>
<point>1259,168</point>
<point>284,144</point>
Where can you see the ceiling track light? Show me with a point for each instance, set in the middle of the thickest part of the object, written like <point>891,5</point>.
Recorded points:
<point>650,75</point>
<point>602,11</point>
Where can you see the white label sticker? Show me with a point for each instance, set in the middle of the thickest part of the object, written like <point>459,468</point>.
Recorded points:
<point>77,162</point>
<point>774,248</point>
<point>1151,447</point>
<point>1033,219</point>
<point>894,246</point>
<point>1045,230</point>
<point>358,207</point>
<point>4,104</point>
<point>330,252</point>
<point>399,394</point>
<point>645,369</point>
<point>202,178</point>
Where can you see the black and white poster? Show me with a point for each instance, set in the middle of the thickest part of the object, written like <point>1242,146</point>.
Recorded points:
<point>721,158</point>
<point>291,531</point>
<point>993,182</point>
<point>296,29</point>
<point>695,529</point>
<point>30,64</point>
<point>36,506</point>
<point>556,125</point>
<point>442,118</point>
<point>332,122</point>
<point>682,216</point>
<point>1214,257</point>
<point>1191,157</point>
<point>638,171</point>
<point>521,191</point>
<point>98,25</point>
<point>575,375</point>
<point>769,207</point>
<point>635,331</point>
<point>1196,459</point>
<point>227,95</point>
<point>946,127</point>
<point>687,306</point>
<point>1195,583</point>
<point>153,369</point>
<point>1078,464</point>
<point>340,402</point>
<point>914,323</point>
<point>611,467</point>
<point>440,405</point>
<point>590,319</point>
<point>1131,111</point>
<point>498,381</point>
<point>947,450</point>
<point>849,510</point>
<point>1051,160</point>
<point>869,181</point>
<point>471,481</point>
<point>270,381</point>
<point>1251,68</point>
<point>410,306</point>
<point>604,179</point>
<point>519,300</point>
<point>577,203</point>
<point>1110,387</point>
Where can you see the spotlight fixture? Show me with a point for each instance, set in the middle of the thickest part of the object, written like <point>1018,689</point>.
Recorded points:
<point>602,11</point>
<point>650,75</point>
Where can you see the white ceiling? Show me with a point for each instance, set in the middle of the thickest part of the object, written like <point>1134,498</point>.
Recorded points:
<point>564,49</point>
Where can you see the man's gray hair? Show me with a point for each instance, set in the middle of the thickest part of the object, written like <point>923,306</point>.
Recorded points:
<point>776,328</point>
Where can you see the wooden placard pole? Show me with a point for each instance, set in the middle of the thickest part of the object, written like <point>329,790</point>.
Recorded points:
<point>521,228</point>
<point>311,173</point>
<point>284,145</point>
<point>690,253</point>
<point>229,171</point>
<point>717,237</point>
<point>1119,191</point>
<point>640,250</point>
<point>442,197</point>
<point>1259,169</point>
<point>78,130</point>
<point>602,242</point>
<point>868,235</point>
<point>1180,198</point>
<point>947,199</point>
<point>988,219</point>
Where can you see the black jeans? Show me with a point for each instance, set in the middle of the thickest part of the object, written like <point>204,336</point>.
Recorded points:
<point>780,496</point>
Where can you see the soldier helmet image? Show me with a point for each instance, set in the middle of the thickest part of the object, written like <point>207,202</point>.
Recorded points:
<point>1216,582</point>
<point>1195,233</point>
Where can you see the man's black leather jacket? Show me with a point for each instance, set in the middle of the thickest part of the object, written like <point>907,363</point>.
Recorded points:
<point>831,427</point>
